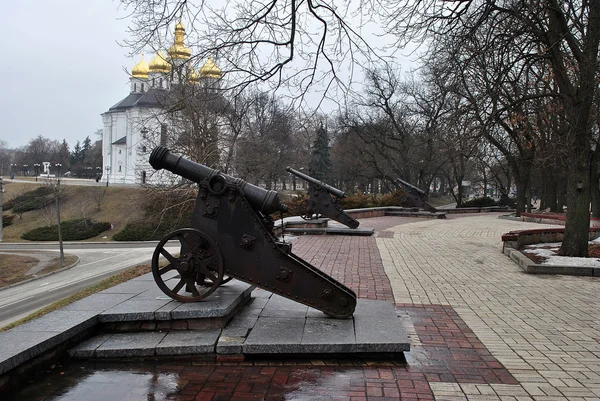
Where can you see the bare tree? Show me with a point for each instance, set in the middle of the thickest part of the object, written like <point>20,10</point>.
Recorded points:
<point>563,35</point>
<point>301,44</point>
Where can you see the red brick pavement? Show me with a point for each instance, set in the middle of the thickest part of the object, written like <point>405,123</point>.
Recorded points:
<point>355,261</point>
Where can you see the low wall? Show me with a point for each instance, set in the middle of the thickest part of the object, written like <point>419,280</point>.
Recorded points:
<point>553,218</point>
<point>519,238</point>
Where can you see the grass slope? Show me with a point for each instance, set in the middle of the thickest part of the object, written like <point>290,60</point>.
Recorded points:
<point>118,206</point>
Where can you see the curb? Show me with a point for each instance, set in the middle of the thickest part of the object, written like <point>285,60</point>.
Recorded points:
<point>37,277</point>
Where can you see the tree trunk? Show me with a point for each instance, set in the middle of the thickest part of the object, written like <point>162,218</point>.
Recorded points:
<point>548,190</point>
<point>577,226</point>
<point>595,185</point>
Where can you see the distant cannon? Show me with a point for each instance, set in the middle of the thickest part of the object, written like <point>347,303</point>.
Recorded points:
<point>415,197</point>
<point>231,236</point>
<point>320,202</point>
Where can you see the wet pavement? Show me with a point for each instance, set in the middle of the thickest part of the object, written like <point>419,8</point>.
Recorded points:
<point>480,330</point>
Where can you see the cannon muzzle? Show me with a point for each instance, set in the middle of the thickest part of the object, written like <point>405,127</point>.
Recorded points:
<point>332,190</point>
<point>265,201</point>
<point>409,186</point>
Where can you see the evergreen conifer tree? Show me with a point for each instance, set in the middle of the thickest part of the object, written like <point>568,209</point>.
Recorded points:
<point>320,157</point>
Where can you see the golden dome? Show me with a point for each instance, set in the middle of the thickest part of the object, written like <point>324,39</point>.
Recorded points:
<point>178,50</point>
<point>140,70</point>
<point>194,77</point>
<point>160,64</point>
<point>210,69</point>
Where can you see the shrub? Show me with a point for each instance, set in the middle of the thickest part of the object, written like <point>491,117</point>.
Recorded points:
<point>72,230</point>
<point>148,230</point>
<point>30,200</point>
<point>7,219</point>
<point>358,200</point>
<point>480,202</point>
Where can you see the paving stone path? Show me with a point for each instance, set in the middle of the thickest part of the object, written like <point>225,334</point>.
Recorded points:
<point>545,330</point>
<point>481,330</point>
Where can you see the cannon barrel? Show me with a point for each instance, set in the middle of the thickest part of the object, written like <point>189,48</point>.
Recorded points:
<point>410,186</point>
<point>260,199</point>
<point>332,190</point>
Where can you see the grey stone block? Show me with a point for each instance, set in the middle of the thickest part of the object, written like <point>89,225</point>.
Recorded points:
<point>328,335</point>
<point>260,293</point>
<point>153,293</point>
<point>275,335</point>
<point>132,310</point>
<point>87,348</point>
<point>188,342</point>
<point>378,328</point>
<point>64,322</point>
<point>129,287</point>
<point>315,313</point>
<point>18,347</point>
<point>98,302</point>
<point>230,345</point>
<point>278,306</point>
<point>130,345</point>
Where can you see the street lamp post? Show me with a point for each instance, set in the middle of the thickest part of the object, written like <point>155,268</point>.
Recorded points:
<point>107,168</point>
<point>36,166</point>
<point>57,196</point>
<point>1,222</point>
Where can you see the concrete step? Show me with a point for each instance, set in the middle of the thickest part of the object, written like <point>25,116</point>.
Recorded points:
<point>269,325</point>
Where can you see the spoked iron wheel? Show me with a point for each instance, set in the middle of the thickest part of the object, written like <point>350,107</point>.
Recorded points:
<point>192,275</point>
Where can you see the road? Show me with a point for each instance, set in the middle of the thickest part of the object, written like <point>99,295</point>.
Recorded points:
<point>97,262</point>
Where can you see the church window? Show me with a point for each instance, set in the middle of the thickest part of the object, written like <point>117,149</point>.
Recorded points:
<point>161,83</point>
<point>153,83</point>
<point>143,176</point>
<point>134,87</point>
<point>142,86</point>
<point>119,151</point>
<point>119,168</point>
<point>144,149</point>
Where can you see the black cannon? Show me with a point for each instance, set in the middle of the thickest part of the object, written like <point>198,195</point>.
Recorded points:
<point>321,203</point>
<point>415,197</point>
<point>231,236</point>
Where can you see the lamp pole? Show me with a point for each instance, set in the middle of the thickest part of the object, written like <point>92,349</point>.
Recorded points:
<point>36,166</point>
<point>107,174</point>
<point>1,222</point>
<point>57,196</point>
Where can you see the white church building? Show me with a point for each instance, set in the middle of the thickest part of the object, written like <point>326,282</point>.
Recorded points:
<point>136,124</point>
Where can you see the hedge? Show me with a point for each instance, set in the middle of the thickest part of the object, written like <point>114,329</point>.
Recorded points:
<point>480,202</point>
<point>30,200</point>
<point>7,219</point>
<point>72,230</point>
<point>147,230</point>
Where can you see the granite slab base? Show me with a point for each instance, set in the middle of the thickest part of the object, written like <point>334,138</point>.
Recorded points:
<point>153,310</point>
<point>282,326</point>
<point>269,325</point>
<point>148,344</point>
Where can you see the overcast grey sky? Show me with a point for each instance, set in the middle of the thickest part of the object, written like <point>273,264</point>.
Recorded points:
<point>61,68</point>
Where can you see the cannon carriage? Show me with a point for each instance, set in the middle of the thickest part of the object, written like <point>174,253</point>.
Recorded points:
<point>231,236</point>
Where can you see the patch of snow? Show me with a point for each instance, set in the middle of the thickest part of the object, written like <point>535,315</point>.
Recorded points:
<point>570,261</point>
<point>554,260</point>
